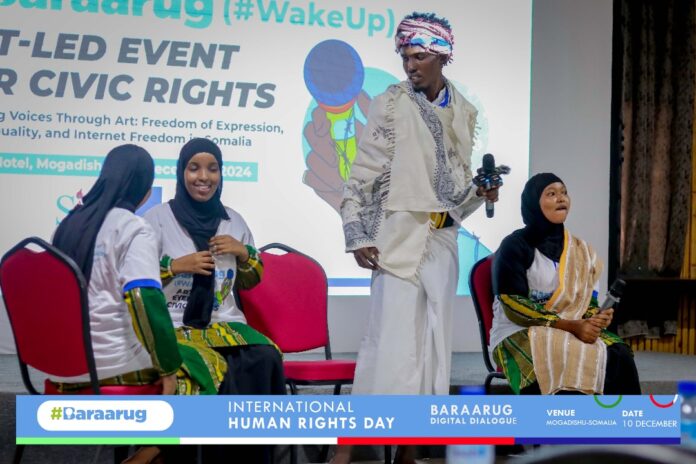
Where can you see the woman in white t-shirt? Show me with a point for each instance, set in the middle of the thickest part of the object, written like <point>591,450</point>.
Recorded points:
<point>133,339</point>
<point>206,251</point>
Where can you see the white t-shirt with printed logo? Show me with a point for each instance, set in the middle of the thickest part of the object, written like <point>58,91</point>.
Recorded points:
<point>175,242</point>
<point>125,256</point>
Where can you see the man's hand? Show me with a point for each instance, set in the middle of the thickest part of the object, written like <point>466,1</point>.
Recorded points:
<point>367,257</point>
<point>491,194</point>
<point>200,262</point>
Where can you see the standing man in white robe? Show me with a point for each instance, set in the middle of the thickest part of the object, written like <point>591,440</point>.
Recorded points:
<point>410,186</point>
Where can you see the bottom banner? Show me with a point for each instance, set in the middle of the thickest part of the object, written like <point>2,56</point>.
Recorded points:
<point>357,420</point>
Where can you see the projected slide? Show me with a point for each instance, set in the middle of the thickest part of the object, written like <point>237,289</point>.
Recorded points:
<point>283,86</point>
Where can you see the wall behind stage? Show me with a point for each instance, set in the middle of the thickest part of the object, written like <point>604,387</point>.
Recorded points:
<point>570,111</point>
<point>569,135</point>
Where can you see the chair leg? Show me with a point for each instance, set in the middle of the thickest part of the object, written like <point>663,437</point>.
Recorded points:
<point>487,383</point>
<point>387,454</point>
<point>293,387</point>
<point>18,452</point>
<point>337,389</point>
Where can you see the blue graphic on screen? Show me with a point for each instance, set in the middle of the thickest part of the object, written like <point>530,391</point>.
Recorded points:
<point>335,76</point>
<point>342,89</point>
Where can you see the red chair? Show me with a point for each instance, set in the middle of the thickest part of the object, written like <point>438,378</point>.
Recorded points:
<point>481,285</point>
<point>290,307</point>
<point>52,334</point>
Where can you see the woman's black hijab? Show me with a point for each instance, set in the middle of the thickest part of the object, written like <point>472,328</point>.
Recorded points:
<point>201,221</point>
<point>541,234</point>
<point>123,182</point>
<point>516,252</point>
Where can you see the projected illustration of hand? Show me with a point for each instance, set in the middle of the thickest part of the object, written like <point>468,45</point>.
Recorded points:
<point>332,138</point>
<point>334,75</point>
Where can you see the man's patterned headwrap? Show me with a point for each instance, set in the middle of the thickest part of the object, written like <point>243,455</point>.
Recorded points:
<point>426,32</point>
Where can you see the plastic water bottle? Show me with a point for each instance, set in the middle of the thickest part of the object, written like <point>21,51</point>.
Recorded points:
<point>687,393</point>
<point>471,454</point>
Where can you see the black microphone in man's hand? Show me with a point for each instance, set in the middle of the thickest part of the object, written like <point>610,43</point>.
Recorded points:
<point>613,295</point>
<point>488,170</point>
<point>488,177</point>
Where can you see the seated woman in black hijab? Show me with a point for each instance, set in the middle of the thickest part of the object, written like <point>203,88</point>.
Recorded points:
<point>547,334</point>
<point>133,339</point>
<point>206,251</point>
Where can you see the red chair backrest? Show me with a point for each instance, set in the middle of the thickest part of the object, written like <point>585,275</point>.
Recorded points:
<point>289,305</point>
<point>481,283</point>
<point>45,299</point>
